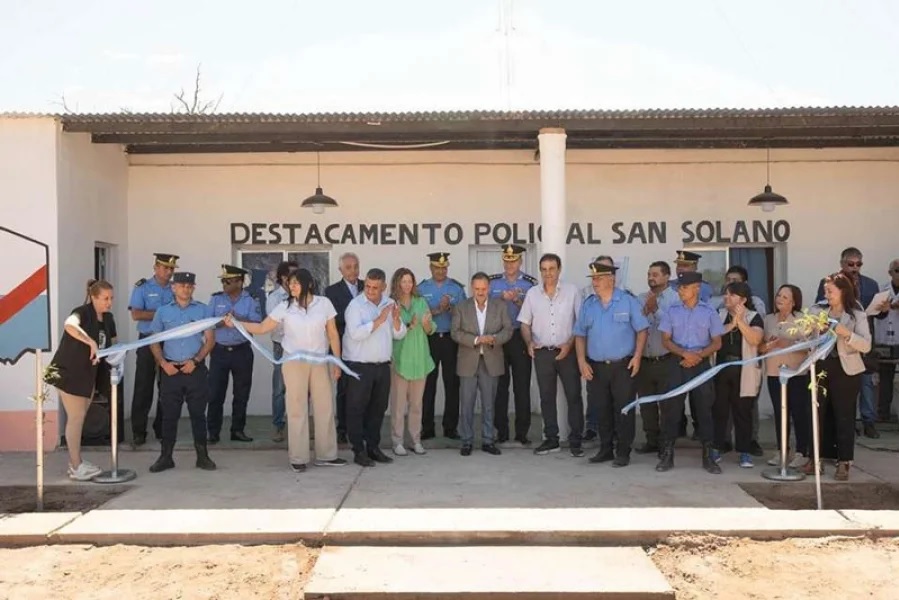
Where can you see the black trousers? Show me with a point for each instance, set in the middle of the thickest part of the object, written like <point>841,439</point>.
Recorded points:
<point>837,410</point>
<point>518,372</point>
<point>799,411</point>
<point>611,389</point>
<point>175,390</point>
<point>340,399</point>
<point>366,402</point>
<point>885,399</point>
<point>653,379</point>
<point>444,352</point>
<point>548,369</point>
<point>702,398</point>
<point>146,374</point>
<point>729,402</point>
<point>236,361</point>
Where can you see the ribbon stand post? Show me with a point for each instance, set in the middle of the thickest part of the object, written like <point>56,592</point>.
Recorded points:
<point>783,473</point>
<point>39,422</point>
<point>115,475</point>
<point>816,444</point>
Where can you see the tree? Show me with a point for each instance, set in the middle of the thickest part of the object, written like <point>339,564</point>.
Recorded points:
<point>195,104</point>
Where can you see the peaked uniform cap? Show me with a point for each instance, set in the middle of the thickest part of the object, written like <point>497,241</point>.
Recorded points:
<point>229,271</point>
<point>167,260</point>
<point>512,252</point>
<point>439,259</point>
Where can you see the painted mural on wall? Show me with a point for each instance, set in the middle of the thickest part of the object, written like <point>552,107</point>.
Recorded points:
<point>24,296</point>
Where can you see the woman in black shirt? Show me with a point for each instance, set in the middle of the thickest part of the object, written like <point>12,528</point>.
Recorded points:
<point>737,387</point>
<point>74,368</point>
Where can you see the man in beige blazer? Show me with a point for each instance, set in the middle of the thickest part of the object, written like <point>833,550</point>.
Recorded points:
<point>480,327</point>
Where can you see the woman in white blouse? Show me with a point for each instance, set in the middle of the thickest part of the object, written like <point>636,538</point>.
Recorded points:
<point>309,326</point>
<point>843,368</point>
<point>778,335</point>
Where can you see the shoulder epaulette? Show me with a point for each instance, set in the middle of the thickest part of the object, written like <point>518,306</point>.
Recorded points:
<point>496,276</point>
<point>140,282</point>
<point>459,283</point>
<point>529,278</point>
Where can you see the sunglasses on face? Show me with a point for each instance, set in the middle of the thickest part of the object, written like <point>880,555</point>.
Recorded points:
<point>853,263</point>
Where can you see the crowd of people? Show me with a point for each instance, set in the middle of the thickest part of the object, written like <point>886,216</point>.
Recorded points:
<point>399,335</point>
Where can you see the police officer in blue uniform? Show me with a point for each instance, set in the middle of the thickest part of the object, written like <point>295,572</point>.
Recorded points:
<point>511,285</point>
<point>610,336</point>
<point>232,355</point>
<point>691,332</point>
<point>146,298</point>
<point>183,364</point>
<point>442,294</point>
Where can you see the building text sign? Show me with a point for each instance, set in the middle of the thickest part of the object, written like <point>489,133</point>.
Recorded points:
<point>620,232</point>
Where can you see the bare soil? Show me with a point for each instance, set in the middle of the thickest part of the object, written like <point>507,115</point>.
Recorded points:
<point>713,568</point>
<point>78,572</point>
<point>58,498</point>
<point>834,496</point>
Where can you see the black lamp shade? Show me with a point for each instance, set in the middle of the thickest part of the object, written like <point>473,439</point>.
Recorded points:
<point>318,201</point>
<point>768,200</point>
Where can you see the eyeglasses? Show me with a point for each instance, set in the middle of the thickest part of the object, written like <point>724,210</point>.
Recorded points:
<point>894,270</point>
<point>853,263</point>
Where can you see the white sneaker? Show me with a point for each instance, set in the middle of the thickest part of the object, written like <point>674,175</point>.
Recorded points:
<point>419,449</point>
<point>84,472</point>
<point>798,460</point>
<point>399,450</point>
<point>774,461</point>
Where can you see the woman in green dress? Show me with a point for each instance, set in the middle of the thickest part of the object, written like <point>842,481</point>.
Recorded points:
<point>411,361</point>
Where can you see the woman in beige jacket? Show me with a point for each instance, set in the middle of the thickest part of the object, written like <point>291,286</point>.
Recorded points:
<point>843,368</point>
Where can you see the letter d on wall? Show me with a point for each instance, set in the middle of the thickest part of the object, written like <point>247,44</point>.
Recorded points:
<point>240,233</point>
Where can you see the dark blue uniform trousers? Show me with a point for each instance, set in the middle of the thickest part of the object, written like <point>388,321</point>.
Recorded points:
<point>236,361</point>
<point>176,389</point>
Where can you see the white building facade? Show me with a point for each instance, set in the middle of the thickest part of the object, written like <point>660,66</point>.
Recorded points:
<point>106,192</point>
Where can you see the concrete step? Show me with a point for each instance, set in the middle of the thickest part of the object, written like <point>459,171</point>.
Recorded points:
<point>485,572</point>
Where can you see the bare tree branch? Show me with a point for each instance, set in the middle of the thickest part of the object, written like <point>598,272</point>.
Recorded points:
<point>195,105</point>
<point>64,105</point>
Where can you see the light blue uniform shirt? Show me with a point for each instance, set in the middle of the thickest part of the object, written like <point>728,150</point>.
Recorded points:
<point>173,315</point>
<point>499,284</point>
<point>245,308</point>
<point>666,299</point>
<point>705,289</point>
<point>149,295</point>
<point>692,328</point>
<point>611,331</point>
<point>433,292</point>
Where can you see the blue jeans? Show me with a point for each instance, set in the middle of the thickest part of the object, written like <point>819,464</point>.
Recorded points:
<point>867,405</point>
<point>278,389</point>
<point>468,394</point>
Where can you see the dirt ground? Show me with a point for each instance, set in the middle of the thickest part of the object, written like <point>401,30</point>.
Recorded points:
<point>58,498</point>
<point>834,496</point>
<point>81,572</point>
<point>706,568</point>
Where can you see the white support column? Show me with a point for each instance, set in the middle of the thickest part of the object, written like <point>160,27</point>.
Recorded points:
<point>553,216</point>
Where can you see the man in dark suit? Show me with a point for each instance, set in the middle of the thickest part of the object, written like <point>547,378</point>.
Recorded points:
<point>480,326</point>
<point>341,294</point>
<point>865,290</point>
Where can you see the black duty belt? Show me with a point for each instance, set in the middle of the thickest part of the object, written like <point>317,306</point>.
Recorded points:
<point>232,348</point>
<point>617,361</point>
<point>657,358</point>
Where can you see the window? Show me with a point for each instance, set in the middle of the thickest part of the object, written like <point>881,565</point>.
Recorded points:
<point>488,258</point>
<point>103,268</point>
<point>765,265</point>
<point>262,265</point>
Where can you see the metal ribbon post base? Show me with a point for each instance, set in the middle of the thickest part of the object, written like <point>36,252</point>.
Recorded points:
<point>783,473</point>
<point>115,475</point>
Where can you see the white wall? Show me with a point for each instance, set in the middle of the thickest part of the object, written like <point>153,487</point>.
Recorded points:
<point>184,204</point>
<point>28,206</point>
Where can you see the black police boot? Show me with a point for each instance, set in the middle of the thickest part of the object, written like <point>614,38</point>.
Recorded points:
<point>708,463</point>
<point>666,457</point>
<point>165,458</point>
<point>203,460</point>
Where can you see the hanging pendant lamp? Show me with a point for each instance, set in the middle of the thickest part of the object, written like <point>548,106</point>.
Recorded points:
<point>318,202</point>
<point>768,200</point>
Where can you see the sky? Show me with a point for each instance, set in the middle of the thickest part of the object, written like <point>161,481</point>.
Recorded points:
<point>298,56</point>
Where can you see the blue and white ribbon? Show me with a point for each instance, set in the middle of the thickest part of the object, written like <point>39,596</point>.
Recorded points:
<point>820,346</point>
<point>115,355</point>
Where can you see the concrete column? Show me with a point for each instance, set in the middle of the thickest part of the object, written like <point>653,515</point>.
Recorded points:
<point>553,216</point>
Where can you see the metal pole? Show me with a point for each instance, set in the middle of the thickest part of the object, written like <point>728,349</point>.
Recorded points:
<point>816,445</point>
<point>115,475</point>
<point>783,473</point>
<point>39,418</point>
